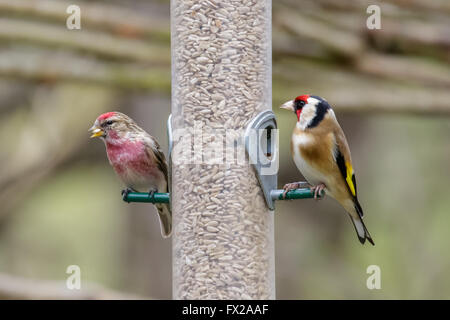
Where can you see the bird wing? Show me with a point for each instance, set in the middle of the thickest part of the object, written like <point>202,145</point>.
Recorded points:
<point>161,160</point>
<point>154,151</point>
<point>344,163</point>
<point>164,210</point>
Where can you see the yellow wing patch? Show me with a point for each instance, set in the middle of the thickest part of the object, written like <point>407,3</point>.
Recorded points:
<point>349,178</point>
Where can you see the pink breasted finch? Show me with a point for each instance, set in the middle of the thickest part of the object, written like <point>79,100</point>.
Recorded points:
<point>137,159</point>
<point>321,153</point>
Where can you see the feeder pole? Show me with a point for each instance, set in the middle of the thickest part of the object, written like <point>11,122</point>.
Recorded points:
<point>221,79</point>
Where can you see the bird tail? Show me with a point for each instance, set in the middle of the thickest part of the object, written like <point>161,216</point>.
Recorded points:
<point>361,230</point>
<point>165,219</point>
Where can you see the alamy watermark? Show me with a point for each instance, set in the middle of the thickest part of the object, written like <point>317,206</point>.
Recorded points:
<point>374,280</point>
<point>203,145</point>
<point>374,20</point>
<point>73,282</point>
<point>73,22</point>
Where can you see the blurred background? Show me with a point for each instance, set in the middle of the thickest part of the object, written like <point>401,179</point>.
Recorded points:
<point>60,201</point>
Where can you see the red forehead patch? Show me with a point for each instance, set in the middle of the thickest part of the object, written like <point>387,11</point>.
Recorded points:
<point>106,115</point>
<point>302,98</point>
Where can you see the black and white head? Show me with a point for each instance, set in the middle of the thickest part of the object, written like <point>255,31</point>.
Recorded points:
<point>310,110</point>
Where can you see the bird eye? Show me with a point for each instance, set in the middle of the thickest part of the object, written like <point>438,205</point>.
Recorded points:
<point>109,122</point>
<point>299,104</point>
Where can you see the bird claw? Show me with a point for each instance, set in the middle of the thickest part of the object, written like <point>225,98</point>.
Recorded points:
<point>151,195</point>
<point>292,186</point>
<point>318,191</point>
<point>125,193</point>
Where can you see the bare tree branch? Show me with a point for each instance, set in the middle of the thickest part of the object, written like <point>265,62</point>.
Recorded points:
<point>13,287</point>
<point>337,41</point>
<point>354,92</point>
<point>50,66</point>
<point>99,43</point>
<point>403,68</point>
<point>121,20</point>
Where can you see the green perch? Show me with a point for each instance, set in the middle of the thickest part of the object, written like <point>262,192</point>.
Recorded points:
<point>302,193</point>
<point>146,197</point>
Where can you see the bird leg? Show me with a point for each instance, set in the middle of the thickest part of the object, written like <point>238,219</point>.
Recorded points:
<point>292,186</point>
<point>318,190</point>
<point>125,193</point>
<point>151,194</point>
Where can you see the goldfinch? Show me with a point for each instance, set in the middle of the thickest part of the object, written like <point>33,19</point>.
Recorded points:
<point>321,153</point>
<point>136,158</point>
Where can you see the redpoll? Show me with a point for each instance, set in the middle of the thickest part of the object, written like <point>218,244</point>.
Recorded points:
<point>136,158</point>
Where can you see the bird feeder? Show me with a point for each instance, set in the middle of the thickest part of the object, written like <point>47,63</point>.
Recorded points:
<point>223,223</point>
<point>221,80</point>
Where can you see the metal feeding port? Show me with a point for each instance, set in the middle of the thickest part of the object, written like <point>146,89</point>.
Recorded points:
<point>261,145</point>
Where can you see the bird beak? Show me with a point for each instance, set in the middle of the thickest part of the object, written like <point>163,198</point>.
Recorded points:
<point>288,105</point>
<point>96,132</point>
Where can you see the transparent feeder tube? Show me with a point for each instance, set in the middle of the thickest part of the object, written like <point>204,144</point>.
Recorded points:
<point>221,79</point>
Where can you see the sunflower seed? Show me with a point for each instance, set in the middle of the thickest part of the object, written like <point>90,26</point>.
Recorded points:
<point>222,246</point>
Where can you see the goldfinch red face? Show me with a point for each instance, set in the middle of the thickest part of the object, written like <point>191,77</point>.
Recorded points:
<point>309,110</point>
<point>296,105</point>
